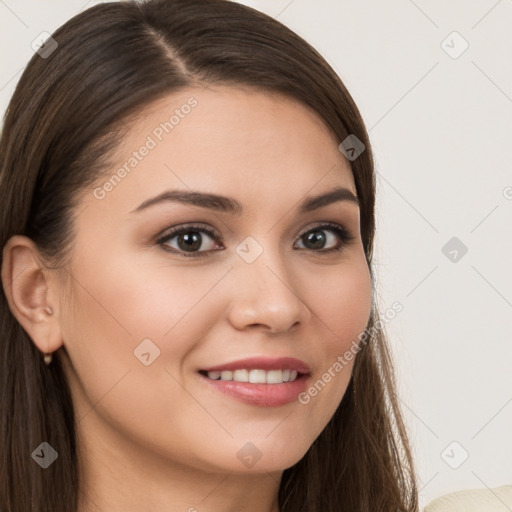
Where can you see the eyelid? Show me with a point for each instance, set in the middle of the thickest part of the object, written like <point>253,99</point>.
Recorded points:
<point>189,226</point>
<point>194,226</point>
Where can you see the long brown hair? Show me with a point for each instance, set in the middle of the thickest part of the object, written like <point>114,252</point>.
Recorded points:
<point>67,113</point>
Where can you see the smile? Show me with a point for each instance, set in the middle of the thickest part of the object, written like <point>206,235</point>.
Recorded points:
<point>254,376</point>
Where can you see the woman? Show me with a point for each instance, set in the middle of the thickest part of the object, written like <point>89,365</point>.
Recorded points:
<point>188,314</point>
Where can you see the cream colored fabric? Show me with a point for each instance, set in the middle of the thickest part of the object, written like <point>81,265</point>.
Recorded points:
<point>498,499</point>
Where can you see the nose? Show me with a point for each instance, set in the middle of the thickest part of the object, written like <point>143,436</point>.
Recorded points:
<point>265,296</point>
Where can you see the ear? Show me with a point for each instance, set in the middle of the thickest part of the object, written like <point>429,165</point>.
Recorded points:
<point>31,292</point>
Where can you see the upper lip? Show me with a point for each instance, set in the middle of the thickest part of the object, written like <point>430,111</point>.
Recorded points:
<point>263,363</point>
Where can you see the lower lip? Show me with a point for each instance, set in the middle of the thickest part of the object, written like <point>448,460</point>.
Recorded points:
<point>261,395</point>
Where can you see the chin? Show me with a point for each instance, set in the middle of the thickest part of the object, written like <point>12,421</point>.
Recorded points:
<point>265,456</point>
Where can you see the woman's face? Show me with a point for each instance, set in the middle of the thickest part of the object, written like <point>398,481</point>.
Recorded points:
<point>149,313</point>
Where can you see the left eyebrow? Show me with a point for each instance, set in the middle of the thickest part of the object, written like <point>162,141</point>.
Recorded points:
<point>333,196</point>
<point>230,205</point>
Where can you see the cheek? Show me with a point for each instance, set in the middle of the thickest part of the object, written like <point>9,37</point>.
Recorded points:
<point>125,300</point>
<point>117,308</point>
<point>121,303</point>
<point>343,303</point>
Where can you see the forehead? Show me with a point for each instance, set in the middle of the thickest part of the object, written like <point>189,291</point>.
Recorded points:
<point>242,142</point>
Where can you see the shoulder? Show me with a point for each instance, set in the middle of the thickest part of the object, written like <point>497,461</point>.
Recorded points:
<point>473,500</point>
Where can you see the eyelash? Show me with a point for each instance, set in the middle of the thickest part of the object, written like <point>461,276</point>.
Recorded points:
<point>343,233</point>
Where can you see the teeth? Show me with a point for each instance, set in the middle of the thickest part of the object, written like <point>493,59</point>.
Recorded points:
<point>274,377</point>
<point>241,375</point>
<point>255,376</point>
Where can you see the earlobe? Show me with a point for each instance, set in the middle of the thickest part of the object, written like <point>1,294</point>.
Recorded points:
<point>28,287</point>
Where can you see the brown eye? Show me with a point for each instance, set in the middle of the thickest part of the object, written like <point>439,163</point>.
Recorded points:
<point>316,239</point>
<point>189,240</point>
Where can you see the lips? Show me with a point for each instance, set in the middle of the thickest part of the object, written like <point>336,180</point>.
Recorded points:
<point>275,392</point>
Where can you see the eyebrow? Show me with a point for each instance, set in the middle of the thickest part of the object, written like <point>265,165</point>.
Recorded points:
<point>229,205</point>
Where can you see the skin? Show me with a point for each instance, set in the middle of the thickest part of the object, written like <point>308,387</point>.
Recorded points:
<point>158,437</point>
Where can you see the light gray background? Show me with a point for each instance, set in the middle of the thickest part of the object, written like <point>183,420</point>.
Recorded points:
<point>441,131</point>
